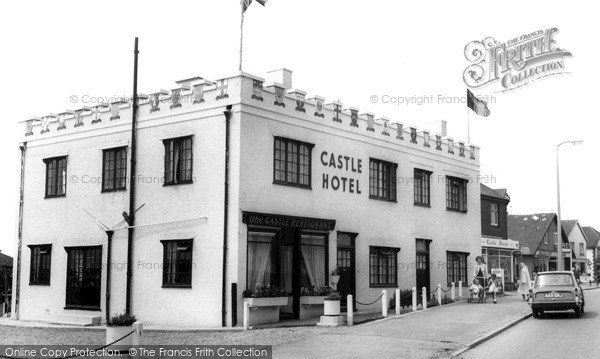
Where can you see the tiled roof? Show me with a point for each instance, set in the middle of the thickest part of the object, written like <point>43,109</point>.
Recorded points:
<point>5,260</point>
<point>486,191</point>
<point>592,235</point>
<point>568,225</point>
<point>529,229</point>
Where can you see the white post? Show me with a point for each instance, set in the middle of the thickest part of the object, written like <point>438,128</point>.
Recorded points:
<point>350,313</point>
<point>439,294</point>
<point>384,303</point>
<point>414,299</point>
<point>452,294</point>
<point>137,339</point>
<point>460,289</point>
<point>246,315</point>
<point>424,290</point>
<point>397,301</point>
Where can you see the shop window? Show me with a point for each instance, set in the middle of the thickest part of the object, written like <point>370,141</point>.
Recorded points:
<point>39,268</point>
<point>270,261</point>
<point>494,214</point>
<point>292,162</point>
<point>422,187</point>
<point>383,264</point>
<point>456,267</point>
<point>382,180</point>
<point>56,177</point>
<point>114,169</point>
<point>178,160</point>
<point>456,194</point>
<point>177,263</point>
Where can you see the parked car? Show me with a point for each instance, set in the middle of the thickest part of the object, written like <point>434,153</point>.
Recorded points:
<point>553,291</point>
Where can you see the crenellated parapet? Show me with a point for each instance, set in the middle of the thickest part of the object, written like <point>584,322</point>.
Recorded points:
<point>275,94</point>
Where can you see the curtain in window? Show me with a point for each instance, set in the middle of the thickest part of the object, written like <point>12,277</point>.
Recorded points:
<point>175,168</point>
<point>313,252</point>
<point>259,255</point>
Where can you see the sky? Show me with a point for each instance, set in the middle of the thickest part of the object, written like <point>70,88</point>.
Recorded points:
<point>360,52</point>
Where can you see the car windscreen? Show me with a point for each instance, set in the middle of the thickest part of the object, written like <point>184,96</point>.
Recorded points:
<point>553,279</point>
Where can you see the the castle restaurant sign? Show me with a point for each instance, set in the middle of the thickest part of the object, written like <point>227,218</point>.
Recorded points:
<point>274,220</point>
<point>500,243</point>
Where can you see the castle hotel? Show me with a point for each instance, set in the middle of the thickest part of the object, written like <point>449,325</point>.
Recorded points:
<point>240,183</point>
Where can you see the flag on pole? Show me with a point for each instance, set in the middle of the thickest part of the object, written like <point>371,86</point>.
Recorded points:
<point>246,3</point>
<point>478,106</point>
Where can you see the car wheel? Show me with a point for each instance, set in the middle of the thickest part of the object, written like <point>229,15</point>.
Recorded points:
<point>536,313</point>
<point>578,312</point>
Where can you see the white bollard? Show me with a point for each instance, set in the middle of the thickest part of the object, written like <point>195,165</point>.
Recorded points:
<point>350,313</point>
<point>137,339</point>
<point>246,315</point>
<point>460,289</point>
<point>384,303</point>
<point>398,301</point>
<point>452,296</point>
<point>414,299</point>
<point>424,290</point>
<point>439,294</point>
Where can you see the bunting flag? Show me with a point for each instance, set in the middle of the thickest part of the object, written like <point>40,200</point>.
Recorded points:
<point>478,106</point>
<point>246,3</point>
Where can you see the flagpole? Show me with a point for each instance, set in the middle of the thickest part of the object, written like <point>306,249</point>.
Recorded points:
<point>241,34</point>
<point>468,126</point>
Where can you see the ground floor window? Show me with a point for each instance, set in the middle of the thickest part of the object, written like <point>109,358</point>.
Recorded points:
<point>383,264</point>
<point>177,263</point>
<point>39,269</point>
<point>502,259</point>
<point>270,259</point>
<point>84,268</point>
<point>456,268</point>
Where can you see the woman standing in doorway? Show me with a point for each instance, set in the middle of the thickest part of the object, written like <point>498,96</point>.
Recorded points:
<point>524,282</point>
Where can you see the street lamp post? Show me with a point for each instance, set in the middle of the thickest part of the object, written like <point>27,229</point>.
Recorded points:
<point>559,254</point>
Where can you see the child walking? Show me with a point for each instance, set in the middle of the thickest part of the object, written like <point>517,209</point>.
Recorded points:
<point>493,286</point>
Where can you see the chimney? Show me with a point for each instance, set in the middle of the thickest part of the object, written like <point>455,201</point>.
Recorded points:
<point>282,76</point>
<point>444,127</point>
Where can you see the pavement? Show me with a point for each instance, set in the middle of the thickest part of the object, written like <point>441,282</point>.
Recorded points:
<point>439,332</point>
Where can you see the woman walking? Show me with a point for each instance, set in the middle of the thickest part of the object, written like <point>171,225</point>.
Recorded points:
<point>524,282</point>
<point>480,271</point>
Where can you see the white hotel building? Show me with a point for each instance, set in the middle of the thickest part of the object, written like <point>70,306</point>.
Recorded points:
<point>310,186</point>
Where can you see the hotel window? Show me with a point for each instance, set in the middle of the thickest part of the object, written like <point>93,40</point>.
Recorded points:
<point>178,160</point>
<point>382,180</point>
<point>292,162</point>
<point>177,263</point>
<point>494,214</point>
<point>39,269</point>
<point>456,194</point>
<point>422,187</point>
<point>383,264</point>
<point>270,260</point>
<point>56,177</point>
<point>456,267</point>
<point>84,273</point>
<point>114,169</point>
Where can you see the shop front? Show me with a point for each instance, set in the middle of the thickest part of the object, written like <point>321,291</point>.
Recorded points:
<point>498,255</point>
<point>287,253</point>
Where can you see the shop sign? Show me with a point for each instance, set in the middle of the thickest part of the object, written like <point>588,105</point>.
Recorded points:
<point>274,220</point>
<point>500,243</point>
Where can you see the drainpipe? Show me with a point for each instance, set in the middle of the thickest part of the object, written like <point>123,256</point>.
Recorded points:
<point>227,114</point>
<point>130,216</point>
<point>109,235</point>
<point>15,314</point>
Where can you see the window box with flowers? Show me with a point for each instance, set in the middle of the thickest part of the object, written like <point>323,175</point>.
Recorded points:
<point>264,304</point>
<point>312,301</point>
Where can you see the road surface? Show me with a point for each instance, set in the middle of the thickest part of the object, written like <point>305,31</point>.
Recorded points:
<point>555,335</point>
